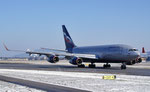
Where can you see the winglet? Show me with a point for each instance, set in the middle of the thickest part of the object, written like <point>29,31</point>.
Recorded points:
<point>143,50</point>
<point>6,47</point>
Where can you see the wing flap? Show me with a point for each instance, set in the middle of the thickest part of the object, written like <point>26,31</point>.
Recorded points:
<point>54,49</point>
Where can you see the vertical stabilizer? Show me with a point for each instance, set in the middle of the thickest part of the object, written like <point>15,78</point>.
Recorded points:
<point>68,40</point>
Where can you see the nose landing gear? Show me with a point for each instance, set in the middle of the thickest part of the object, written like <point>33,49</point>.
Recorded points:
<point>123,66</point>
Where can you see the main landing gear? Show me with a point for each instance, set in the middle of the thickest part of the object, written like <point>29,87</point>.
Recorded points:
<point>81,66</point>
<point>106,65</point>
<point>92,65</point>
<point>123,66</point>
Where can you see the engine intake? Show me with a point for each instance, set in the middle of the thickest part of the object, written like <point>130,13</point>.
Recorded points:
<point>53,59</point>
<point>76,61</point>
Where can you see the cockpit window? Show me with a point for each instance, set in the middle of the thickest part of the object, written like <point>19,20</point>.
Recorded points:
<point>133,49</point>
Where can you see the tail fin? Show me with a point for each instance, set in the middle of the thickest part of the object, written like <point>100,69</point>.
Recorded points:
<point>143,50</point>
<point>68,40</point>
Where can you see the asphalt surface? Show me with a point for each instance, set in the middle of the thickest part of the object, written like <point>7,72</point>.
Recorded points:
<point>137,69</point>
<point>41,86</point>
<point>142,69</point>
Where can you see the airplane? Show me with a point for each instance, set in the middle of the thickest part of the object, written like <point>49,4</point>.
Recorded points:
<point>145,55</point>
<point>118,53</point>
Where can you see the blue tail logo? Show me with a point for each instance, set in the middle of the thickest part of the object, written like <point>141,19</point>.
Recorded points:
<point>68,41</point>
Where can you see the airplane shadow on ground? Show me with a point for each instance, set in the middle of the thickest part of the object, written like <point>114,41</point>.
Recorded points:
<point>71,68</point>
<point>76,67</point>
<point>53,66</point>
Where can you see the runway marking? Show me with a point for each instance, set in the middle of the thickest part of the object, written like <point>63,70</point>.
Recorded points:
<point>38,85</point>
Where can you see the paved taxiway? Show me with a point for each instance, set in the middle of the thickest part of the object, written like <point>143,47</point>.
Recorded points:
<point>141,69</point>
<point>65,74</point>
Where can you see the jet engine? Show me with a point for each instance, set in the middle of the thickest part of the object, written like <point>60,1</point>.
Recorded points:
<point>76,61</point>
<point>139,60</point>
<point>53,59</point>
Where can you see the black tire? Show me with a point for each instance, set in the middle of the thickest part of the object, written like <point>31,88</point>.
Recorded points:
<point>109,65</point>
<point>104,66</point>
<point>123,66</point>
<point>81,66</point>
<point>92,65</point>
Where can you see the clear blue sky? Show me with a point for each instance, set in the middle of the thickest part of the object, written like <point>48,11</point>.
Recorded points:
<point>31,24</point>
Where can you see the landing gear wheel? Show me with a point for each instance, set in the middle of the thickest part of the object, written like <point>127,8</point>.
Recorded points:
<point>106,65</point>
<point>109,65</point>
<point>92,65</point>
<point>81,66</point>
<point>123,66</point>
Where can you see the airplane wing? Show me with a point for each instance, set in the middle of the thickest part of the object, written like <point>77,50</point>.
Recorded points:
<point>89,56</point>
<point>54,49</point>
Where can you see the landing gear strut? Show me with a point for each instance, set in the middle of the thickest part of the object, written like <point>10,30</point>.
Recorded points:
<point>123,66</point>
<point>106,65</point>
<point>81,66</point>
<point>92,65</point>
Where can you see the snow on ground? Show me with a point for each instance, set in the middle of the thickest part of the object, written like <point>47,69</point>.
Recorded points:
<point>10,87</point>
<point>86,81</point>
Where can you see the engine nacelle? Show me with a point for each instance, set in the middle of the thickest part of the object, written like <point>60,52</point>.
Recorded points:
<point>53,59</point>
<point>76,61</point>
<point>139,60</point>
